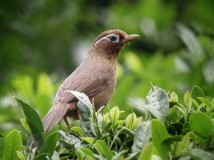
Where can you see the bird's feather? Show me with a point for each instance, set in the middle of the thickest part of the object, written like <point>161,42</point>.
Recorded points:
<point>54,116</point>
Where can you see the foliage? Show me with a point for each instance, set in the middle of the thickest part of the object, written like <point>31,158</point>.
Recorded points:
<point>41,42</point>
<point>186,131</point>
<point>39,91</point>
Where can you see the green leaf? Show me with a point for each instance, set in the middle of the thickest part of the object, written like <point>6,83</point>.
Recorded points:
<point>102,148</point>
<point>85,109</point>
<point>188,99</point>
<point>142,136</point>
<point>146,153</point>
<point>196,91</point>
<point>157,102</point>
<point>33,121</point>
<point>205,101</point>
<point>69,140</point>
<point>87,151</point>
<point>119,156</point>
<point>50,143</point>
<point>89,140</point>
<point>42,156</point>
<point>20,155</point>
<point>2,143</point>
<point>77,131</point>
<point>80,154</point>
<point>184,144</point>
<point>136,123</point>
<point>25,124</point>
<point>13,143</point>
<point>82,98</point>
<point>159,135</point>
<point>132,122</point>
<point>114,115</point>
<point>173,98</point>
<point>201,124</point>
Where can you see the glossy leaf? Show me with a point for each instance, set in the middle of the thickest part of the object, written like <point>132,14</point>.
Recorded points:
<point>20,155</point>
<point>201,124</point>
<point>80,155</point>
<point>146,153</point>
<point>184,145</point>
<point>85,109</point>
<point>132,122</point>
<point>188,99</point>
<point>196,91</point>
<point>25,125</point>
<point>157,102</point>
<point>50,143</point>
<point>33,121</point>
<point>119,155</point>
<point>82,98</point>
<point>13,143</point>
<point>89,140</point>
<point>77,131</point>
<point>159,135</point>
<point>102,148</point>
<point>142,136</point>
<point>114,115</point>
<point>87,151</point>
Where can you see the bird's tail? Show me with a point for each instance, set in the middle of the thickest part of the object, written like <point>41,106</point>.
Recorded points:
<point>54,116</point>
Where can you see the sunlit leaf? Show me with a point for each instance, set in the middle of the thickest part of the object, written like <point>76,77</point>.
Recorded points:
<point>142,136</point>
<point>33,121</point>
<point>102,148</point>
<point>77,131</point>
<point>80,154</point>
<point>89,140</point>
<point>13,143</point>
<point>119,155</point>
<point>159,135</point>
<point>20,155</point>
<point>201,124</point>
<point>25,124</point>
<point>114,115</point>
<point>87,151</point>
<point>50,143</point>
<point>85,109</point>
<point>146,153</point>
<point>157,102</point>
<point>184,145</point>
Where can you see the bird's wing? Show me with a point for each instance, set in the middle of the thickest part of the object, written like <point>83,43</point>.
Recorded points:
<point>90,84</point>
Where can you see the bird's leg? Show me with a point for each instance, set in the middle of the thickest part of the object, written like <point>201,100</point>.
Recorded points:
<point>66,122</point>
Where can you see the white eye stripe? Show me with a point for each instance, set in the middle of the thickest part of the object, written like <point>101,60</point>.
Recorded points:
<point>110,37</point>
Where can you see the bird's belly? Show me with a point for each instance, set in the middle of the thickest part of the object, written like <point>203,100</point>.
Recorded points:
<point>102,98</point>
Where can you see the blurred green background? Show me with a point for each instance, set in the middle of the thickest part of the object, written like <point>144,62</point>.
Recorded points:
<point>42,41</point>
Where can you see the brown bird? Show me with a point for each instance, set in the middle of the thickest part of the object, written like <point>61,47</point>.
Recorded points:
<point>95,76</point>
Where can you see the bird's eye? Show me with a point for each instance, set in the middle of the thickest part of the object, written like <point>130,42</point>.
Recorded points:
<point>113,38</point>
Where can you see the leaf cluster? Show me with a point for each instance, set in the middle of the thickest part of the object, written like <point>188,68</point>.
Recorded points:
<point>166,129</point>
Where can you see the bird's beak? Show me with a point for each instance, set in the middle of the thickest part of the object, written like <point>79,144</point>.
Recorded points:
<point>130,38</point>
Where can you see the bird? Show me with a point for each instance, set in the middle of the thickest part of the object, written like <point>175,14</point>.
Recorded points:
<point>95,77</point>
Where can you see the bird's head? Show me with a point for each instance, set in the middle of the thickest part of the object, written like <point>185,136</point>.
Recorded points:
<point>113,40</point>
